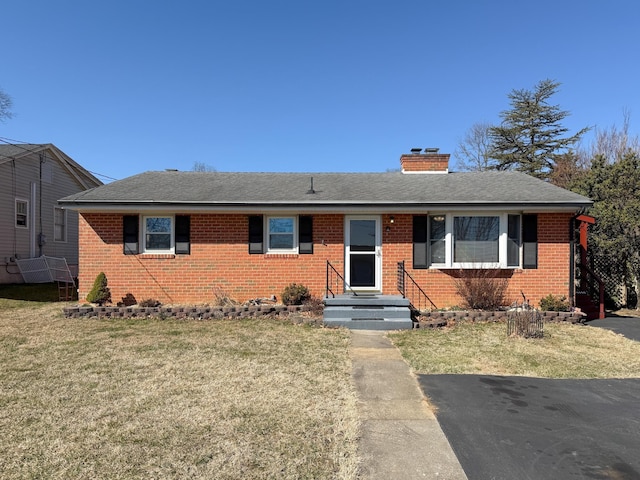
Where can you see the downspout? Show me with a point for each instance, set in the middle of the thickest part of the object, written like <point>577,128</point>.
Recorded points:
<point>572,261</point>
<point>41,237</point>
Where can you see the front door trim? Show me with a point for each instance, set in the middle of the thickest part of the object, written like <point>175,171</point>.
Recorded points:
<point>376,286</point>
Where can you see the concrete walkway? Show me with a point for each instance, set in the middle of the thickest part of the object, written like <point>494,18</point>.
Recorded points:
<point>401,437</point>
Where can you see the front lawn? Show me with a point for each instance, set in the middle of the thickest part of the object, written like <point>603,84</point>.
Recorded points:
<point>156,398</point>
<point>565,351</point>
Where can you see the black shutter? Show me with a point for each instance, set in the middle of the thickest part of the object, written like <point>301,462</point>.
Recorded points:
<point>305,234</point>
<point>420,240</point>
<point>130,234</point>
<point>256,235</point>
<point>183,235</point>
<point>529,241</point>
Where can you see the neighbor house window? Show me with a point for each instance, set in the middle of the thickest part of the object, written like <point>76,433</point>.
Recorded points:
<point>158,234</point>
<point>475,241</point>
<point>22,216</point>
<point>281,233</point>
<point>59,224</point>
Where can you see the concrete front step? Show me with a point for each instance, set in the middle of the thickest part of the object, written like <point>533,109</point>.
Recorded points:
<point>370,324</point>
<point>365,312</point>
<point>368,312</point>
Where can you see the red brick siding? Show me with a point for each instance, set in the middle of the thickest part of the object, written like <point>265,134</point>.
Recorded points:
<point>432,162</point>
<point>220,259</point>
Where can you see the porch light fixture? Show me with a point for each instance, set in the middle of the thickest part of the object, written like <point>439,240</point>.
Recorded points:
<point>392,219</point>
<point>439,218</point>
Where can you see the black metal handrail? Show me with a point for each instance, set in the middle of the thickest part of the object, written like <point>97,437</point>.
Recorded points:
<point>410,289</point>
<point>331,273</point>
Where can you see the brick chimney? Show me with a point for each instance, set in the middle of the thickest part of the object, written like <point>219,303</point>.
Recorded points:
<point>429,161</point>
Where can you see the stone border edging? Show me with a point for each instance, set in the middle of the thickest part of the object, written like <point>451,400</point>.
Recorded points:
<point>200,313</point>
<point>441,319</point>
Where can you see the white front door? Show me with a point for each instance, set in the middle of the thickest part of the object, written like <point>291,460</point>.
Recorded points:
<point>363,252</point>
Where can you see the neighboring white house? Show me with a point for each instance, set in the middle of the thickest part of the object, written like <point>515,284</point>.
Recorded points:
<point>32,179</point>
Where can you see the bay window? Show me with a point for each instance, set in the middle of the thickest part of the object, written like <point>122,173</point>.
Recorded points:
<point>475,240</point>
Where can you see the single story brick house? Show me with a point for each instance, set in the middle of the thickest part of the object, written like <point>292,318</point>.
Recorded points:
<point>183,237</point>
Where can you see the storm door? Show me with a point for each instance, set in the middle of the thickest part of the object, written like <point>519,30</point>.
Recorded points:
<point>363,252</point>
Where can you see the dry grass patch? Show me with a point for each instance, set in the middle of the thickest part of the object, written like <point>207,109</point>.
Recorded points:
<point>173,399</point>
<point>565,351</point>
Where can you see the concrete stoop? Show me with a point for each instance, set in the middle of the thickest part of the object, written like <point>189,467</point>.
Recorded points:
<point>368,312</point>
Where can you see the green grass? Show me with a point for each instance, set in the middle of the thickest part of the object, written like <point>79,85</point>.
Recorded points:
<point>156,398</point>
<point>565,351</point>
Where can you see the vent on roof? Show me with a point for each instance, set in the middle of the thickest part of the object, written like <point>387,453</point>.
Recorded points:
<point>170,169</point>
<point>311,190</point>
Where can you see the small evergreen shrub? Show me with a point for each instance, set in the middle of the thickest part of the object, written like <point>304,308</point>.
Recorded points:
<point>100,292</point>
<point>294,294</point>
<point>553,303</point>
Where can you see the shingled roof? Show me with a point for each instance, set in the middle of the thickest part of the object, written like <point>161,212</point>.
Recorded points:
<point>22,151</point>
<point>224,191</point>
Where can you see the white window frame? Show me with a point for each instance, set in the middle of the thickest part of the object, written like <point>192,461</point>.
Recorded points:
<point>171,248</point>
<point>64,225</point>
<point>267,234</point>
<point>26,213</point>
<point>449,241</point>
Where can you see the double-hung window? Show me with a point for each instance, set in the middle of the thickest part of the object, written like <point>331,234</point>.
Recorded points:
<point>281,235</point>
<point>22,213</point>
<point>158,234</point>
<point>451,240</point>
<point>59,224</point>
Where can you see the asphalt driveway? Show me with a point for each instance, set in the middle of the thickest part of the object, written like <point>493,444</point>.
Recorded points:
<point>627,326</point>
<point>533,428</point>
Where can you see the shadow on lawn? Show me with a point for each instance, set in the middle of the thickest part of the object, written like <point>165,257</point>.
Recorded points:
<point>30,292</point>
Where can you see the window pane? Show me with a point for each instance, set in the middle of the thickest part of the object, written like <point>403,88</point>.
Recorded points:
<point>437,238</point>
<point>513,241</point>
<point>21,213</point>
<point>281,241</point>
<point>476,239</point>
<point>158,241</point>
<point>281,225</point>
<point>158,225</point>
<point>363,270</point>
<point>362,235</point>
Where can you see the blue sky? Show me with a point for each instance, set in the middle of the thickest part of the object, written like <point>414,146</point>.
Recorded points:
<point>327,86</point>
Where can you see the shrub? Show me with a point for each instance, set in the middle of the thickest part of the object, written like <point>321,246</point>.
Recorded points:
<point>128,300</point>
<point>100,292</point>
<point>295,294</point>
<point>553,303</point>
<point>481,289</point>
<point>315,305</point>
<point>150,302</point>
